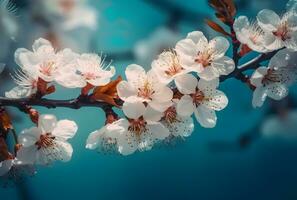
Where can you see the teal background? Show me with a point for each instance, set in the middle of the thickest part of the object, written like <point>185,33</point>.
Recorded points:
<point>208,165</point>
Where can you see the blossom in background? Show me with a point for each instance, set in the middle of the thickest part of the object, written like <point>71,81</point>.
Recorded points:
<point>282,125</point>
<point>86,69</point>
<point>148,49</point>
<point>250,34</point>
<point>201,98</point>
<point>69,14</point>
<point>279,31</point>
<point>8,26</point>
<point>178,126</point>
<point>206,58</point>
<point>145,87</point>
<point>167,66</point>
<point>47,142</point>
<point>273,81</point>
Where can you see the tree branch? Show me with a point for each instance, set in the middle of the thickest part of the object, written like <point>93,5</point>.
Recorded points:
<point>252,64</point>
<point>52,103</point>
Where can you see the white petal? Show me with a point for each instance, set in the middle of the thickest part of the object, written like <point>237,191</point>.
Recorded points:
<point>95,138</point>
<point>65,129</point>
<point>268,20</point>
<point>196,36</point>
<point>160,106</point>
<point>259,96</point>
<point>206,117</point>
<point>277,91</point>
<point>220,45</point>
<point>186,47</point>
<point>5,166</point>
<point>152,114</point>
<point>66,151</point>
<point>186,83</point>
<point>258,76</point>
<point>134,73</point>
<point>272,42</point>
<point>47,123</point>
<point>29,137</point>
<point>41,43</point>
<point>209,73</point>
<point>158,131</point>
<point>162,94</point>
<point>206,86</point>
<point>125,90</point>
<point>27,155</point>
<point>183,126</point>
<point>241,23</point>
<point>133,110</point>
<point>223,65</point>
<point>19,92</point>
<point>185,106</point>
<point>216,100</point>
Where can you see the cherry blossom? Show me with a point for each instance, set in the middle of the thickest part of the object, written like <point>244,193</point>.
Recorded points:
<point>48,142</point>
<point>167,66</point>
<point>279,31</point>
<point>206,58</point>
<point>250,34</point>
<point>87,69</point>
<point>178,126</point>
<point>104,139</point>
<point>201,98</point>
<point>273,81</point>
<point>141,130</point>
<point>145,87</point>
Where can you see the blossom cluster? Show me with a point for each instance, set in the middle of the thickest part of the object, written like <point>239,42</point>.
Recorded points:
<point>157,104</point>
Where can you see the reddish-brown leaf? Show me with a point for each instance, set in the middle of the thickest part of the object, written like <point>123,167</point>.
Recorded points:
<point>5,120</point>
<point>225,10</point>
<point>217,27</point>
<point>107,93</point>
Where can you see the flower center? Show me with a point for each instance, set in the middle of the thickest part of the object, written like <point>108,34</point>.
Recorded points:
<point>45,140</point>
<point>146,91</point>
<point>204,58</point>
<point>174,66</point>
<point>282,31</point>
<point>271,77</point>
<point>198,97</point>
<point>170,115</point>
<point>67,5</point>
<point>47,68</point>
<point>137,126</point>
<point>89,76</point>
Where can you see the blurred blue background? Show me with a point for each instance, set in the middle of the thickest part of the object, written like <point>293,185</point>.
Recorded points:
<point>235,160</point>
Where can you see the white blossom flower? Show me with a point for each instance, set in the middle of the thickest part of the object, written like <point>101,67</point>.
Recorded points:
<point>104,139</point>
<point>273,81</point>
<point>201,98</point>
<point>206,58</point>
<point>71,14</point>
<point>280,31</point>
<point>47,142</point>
<point>145,87</point>
<point>140,131</point>
<point>87,69</point>
<point>250,34</point>
<point>26,84</point>
<point>178,126</point>
<point>167,66</point>
<point>43,60</point>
